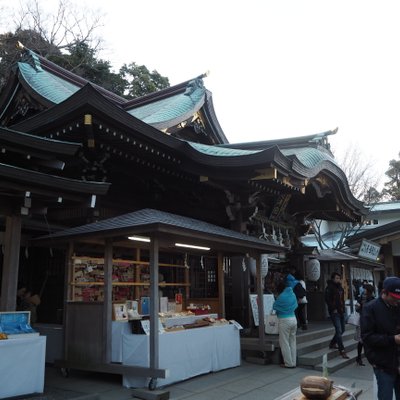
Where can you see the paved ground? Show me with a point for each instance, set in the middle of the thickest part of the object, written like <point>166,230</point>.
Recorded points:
<point>249,381</point>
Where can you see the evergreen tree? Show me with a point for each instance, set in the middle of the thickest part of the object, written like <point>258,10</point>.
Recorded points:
<point>67,39</point>
<point>392,187</point>
<point>81,59</point>
<point>140,81</point>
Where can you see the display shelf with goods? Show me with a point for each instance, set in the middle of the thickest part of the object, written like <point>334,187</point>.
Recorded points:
<point>130,279</point>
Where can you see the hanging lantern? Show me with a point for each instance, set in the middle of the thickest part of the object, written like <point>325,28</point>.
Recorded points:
<point>264,265</point>
<point>313,269</point>
<point>251,262</point>
<point>251,265</point>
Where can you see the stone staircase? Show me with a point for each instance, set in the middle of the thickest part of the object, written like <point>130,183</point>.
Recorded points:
<point>311,347</point>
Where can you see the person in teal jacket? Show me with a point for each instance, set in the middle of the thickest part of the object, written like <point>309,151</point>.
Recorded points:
<point>285,306</point>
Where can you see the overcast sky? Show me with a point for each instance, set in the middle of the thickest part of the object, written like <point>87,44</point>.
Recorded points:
<point>280,68</point>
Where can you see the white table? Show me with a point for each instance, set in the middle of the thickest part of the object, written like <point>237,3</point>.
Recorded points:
<point>184,353</point>
<point>118,328</point>
<point>22,363</point>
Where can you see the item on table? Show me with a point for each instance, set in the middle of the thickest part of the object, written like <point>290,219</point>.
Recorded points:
<point>316,387</point>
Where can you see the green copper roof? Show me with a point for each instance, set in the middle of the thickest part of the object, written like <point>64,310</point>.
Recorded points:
<point>221,151</point>
<point>308,156</point>
<point>49,86</point>
<point>161,113</point>
<point>182,106</point>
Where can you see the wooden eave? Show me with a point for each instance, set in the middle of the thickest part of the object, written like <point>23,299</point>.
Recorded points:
<point>7,94</point>
<point>210,119</point>
<point>391,231</point>
<point>172,226</point>
<point>39,179</point>
<point>90,100</point>
<point>47,147</point>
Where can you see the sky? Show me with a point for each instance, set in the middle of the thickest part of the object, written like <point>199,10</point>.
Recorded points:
<point>277,68</point>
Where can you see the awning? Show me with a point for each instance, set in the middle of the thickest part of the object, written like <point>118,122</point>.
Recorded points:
<point>337,255</point>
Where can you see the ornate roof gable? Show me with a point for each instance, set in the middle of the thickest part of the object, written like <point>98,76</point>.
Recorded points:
<point>184,110</point>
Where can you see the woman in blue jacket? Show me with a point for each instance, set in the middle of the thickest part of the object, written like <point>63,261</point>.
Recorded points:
<point>285,305</point>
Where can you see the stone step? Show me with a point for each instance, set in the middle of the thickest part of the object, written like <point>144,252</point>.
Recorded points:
<point>338,362</point>
<point>321,342</point>
<point>313,358</point>
<point>306,336</point>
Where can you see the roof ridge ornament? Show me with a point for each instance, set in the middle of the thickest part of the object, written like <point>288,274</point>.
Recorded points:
<point>30,57</point>
<point>195,84</point>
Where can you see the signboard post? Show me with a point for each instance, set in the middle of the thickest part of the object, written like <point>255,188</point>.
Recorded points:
<point>268,302</point>
<point>369,250</point>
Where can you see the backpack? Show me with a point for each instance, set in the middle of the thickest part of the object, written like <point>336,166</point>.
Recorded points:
<point>299,291</point>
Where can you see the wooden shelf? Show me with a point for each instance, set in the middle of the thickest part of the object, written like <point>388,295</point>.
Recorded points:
<point>132,275</point>
<point>127,263</point>
<point>164,284</point>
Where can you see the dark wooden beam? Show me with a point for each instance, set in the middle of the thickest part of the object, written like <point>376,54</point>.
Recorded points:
<point>9,285</point>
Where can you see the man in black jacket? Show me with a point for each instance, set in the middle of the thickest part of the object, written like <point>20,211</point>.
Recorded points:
<point>334,299</point>
<point>380,333</point>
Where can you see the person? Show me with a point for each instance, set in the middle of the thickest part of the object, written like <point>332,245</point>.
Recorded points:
<point>367,296</point>
<point>285,306</point>
<point>334,299</point>
<point>301,311</point>
<point>380,333</point>
<point>298,289</point>
<point>361,290</point>
<point>28,302</point>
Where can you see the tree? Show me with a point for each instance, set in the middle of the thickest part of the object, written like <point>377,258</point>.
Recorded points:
<point>46,34</point>
<point>361,177</point>
<point>68,26</point>
<point>81,59</point>
<point>68,39</point>
<point>392,187</point>
<point>140,81</point>
<point>362,181</point>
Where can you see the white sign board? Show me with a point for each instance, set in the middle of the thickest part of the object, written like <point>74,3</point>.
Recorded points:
<point>146,326</point>
<point>369,250</point>
<point>268,303</point>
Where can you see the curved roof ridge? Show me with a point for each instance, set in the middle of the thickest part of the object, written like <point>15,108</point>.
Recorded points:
<point>316,139</point>
<point>163,93</point>
<point>36,60</point>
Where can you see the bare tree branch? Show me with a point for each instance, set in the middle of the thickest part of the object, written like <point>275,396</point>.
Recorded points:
<point>359,171</point>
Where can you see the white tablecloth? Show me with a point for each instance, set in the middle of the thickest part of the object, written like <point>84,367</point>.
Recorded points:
<point>183,353</point>
<point>118,328</point>
<point>22,363</point>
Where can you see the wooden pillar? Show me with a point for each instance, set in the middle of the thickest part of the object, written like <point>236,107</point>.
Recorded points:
<point>221,286</point>
<point>260,296</point>
<point>107,304</point>
<point>69,291</point>
<point>187,287</point>
<point>154,302</point>
<point>138,269</point>
<point>9,285</point>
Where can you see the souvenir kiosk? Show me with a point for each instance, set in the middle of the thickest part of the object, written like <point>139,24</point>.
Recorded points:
<point>155,359</point>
